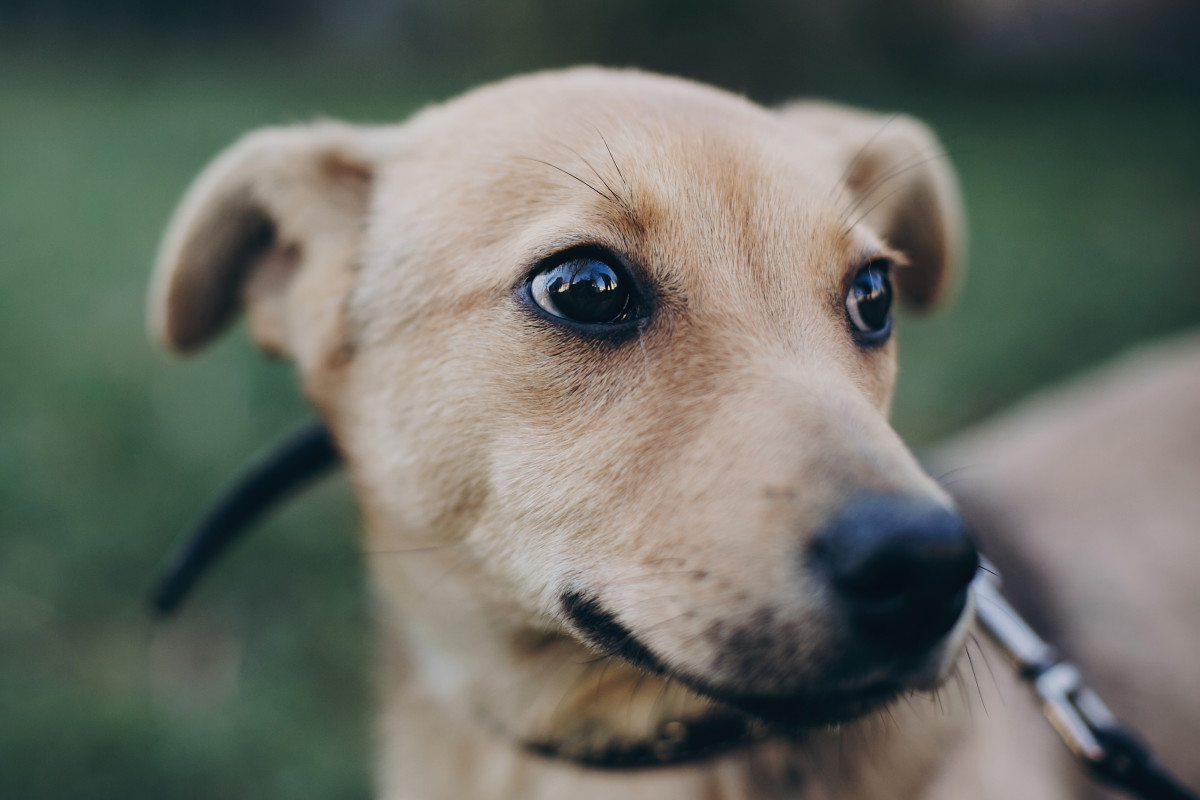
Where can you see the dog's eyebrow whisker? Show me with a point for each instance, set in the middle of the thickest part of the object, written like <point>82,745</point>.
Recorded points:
<point>841,182</point>
<point>613,159</point>
<point>904,167</point>
<point>612,194</point>
<point>917,159</point>
<point>568,174</point>
<point>846,231</point>
<point>896,170</point>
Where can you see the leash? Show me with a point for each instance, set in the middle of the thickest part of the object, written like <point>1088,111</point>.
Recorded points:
<point>1109,750</point>
<point>290,465</point>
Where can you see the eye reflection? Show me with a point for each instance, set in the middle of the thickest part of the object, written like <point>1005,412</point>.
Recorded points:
<point>585,290</point>
<point>869,301</point>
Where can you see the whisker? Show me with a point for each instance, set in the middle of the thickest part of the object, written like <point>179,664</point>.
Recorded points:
<point>961,683</point>
<point>633,692</point>
<point>954,471</point>
<point>600,680</point>
<point>849,170</point>
<point>846,231</point>
<point>911,162</point>
<point>987,662</point>
<point>612,195</point>
<point>400,551</point>
<point>613,159</point>
<point>568,174</point>
<point>975,675</point>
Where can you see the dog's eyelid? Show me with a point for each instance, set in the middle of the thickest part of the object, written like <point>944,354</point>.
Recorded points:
<point>893,258</point>
<point>572,249</point>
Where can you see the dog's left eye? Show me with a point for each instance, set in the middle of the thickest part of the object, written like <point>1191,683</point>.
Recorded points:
<point>869,302</point>
<point>585,290</point>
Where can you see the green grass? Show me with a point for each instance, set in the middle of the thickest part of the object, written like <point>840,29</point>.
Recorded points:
<point>1084,233</point>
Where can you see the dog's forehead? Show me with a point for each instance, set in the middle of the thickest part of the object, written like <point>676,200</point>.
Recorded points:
<point>699,187</point>
<point>560,135</point>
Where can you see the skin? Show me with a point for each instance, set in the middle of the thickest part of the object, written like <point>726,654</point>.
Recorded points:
<point>511,469</point>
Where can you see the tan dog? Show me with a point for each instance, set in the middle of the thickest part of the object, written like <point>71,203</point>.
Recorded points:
<point>608,357</point>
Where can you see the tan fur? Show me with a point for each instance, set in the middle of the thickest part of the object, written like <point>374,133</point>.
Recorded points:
<point>500,461</point>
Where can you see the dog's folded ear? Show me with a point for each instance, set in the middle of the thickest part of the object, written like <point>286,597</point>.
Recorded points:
<point>897,181</point>
<point>273,220</point>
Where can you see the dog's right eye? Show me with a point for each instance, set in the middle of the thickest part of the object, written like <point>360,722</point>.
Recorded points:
<point>586,290</point>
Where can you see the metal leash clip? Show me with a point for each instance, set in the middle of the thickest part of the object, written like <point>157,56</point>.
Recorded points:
<point>1085,724</point>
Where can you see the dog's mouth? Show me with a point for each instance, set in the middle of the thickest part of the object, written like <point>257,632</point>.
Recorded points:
<point>819,704</point>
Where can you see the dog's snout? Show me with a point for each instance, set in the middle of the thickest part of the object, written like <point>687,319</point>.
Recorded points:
<point>900,567</point>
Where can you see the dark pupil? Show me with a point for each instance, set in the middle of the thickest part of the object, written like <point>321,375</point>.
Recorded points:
<point>587,290</point>
<point>873,295</point>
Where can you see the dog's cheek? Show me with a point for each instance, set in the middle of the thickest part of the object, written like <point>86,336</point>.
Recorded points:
<point>413,437</point>
<point>880,380</point>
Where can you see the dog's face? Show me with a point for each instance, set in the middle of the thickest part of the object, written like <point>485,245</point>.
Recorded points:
<point>617,350</point>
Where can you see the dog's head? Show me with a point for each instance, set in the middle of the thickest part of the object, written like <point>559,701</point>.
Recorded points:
<point>616,349</point>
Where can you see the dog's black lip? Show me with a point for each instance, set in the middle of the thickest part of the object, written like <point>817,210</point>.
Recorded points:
<point>601,629</point>
<point>812,707</point>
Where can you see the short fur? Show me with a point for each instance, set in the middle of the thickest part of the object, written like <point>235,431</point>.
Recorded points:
<point>512,473</point>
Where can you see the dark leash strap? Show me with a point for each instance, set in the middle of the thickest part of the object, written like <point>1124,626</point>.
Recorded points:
<point>1129,765</point>
<point>1110,751</point>
<point>290,465</point>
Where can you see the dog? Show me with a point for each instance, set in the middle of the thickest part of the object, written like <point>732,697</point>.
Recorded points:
<point>609,357</point>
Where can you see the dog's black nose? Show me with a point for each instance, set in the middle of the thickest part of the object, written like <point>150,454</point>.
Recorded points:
<point>900,565</point>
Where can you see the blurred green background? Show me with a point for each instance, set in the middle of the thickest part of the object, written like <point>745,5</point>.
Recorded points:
<point>1075,134</point>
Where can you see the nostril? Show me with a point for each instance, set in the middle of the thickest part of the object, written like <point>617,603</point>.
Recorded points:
<point>878,580</point>
<point>901,566</point>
